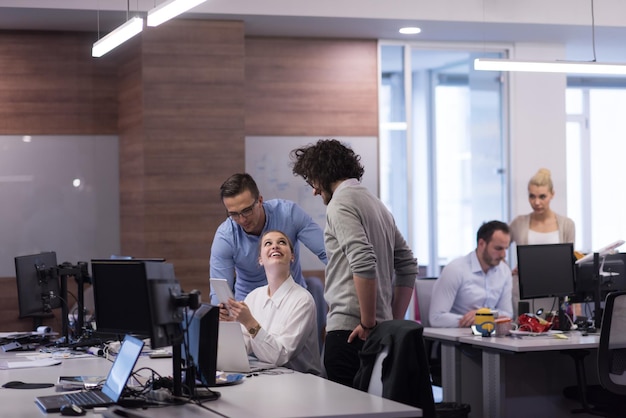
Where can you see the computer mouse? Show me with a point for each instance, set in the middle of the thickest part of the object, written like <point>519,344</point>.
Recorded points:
<point>72,410</point>
<point>13,384</point>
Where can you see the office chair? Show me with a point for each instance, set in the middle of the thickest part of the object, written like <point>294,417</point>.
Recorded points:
<point>315,286</point>
<point>424,289</point>
<point>612,352</point>
<point>394,364</point>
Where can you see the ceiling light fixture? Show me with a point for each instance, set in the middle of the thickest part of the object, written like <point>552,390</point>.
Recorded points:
<point>170,9</point>
<point>117,37</point>
<point>412,30</point>
<point>573,67</point>
<point>570,67</point>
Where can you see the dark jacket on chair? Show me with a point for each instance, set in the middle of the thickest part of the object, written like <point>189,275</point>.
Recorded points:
<point>405,372</point>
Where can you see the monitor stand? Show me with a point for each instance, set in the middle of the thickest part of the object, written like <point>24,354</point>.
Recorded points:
<point>195,393</point>
<point>597,289</point>
<point>564,322</point>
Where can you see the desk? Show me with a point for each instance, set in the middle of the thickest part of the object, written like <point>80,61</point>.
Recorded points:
<point>291,394</point>
<point>511,377</point>
<point>451,383</point>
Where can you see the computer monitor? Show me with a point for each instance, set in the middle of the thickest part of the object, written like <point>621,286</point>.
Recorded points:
<point>200,346</point>
<point>612,277</point>
<point>38,288</point>
<point>546,270</point>
<point>121,301</point>
<point>166,312</point>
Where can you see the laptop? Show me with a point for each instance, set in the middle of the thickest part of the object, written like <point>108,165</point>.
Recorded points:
<point>231,351</point>
<point>111,391</point>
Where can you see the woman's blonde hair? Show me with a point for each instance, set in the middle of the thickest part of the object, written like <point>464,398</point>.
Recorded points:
<point>542,178</point>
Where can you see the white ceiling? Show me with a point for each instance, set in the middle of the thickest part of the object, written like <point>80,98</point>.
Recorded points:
<point>501,21</point>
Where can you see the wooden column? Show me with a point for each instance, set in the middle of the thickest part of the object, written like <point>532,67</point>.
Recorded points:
<point>181,131</point>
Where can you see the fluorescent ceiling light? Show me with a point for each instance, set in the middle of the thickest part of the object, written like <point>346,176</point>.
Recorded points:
<point>571,67</point>
<point>117,37</point>
<point>170,9</point>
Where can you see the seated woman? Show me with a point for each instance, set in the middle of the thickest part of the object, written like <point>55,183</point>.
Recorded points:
<point>279,318</point>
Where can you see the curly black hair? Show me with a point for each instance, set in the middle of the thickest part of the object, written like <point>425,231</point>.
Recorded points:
<point>326,162</point>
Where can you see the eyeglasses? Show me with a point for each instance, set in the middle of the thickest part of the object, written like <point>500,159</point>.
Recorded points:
<point>245,212</point>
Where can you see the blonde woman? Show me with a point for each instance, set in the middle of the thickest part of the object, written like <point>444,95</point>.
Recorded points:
<point>280,318</point>
<point>542,225</point>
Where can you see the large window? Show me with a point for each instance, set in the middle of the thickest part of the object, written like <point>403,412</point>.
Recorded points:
<point>441,149</point>
<point>596,150</point>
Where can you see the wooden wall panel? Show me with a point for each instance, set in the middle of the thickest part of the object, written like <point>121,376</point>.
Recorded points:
<point>51,85</point>
<point>131,145</point>
<point>9,308</point>
<point>311,87</point>
<point>187,93</point>
<point>188,90</point>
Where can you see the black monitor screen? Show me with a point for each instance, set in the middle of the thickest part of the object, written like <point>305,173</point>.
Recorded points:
<point>546,270</point>
<point>37,283</point>
<point>612,277</point>
<point>121,302</point>
<point>166,316</point>
<point>201,343</point>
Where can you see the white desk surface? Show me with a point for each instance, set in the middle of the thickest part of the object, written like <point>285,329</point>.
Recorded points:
<point>446,334</point>
<point>285,395</point>
<point>575,340</point>
<point>534,343</point>
<point>482,381</point>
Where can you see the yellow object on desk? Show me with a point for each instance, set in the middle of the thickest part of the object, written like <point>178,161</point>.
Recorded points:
<point>484,323</point>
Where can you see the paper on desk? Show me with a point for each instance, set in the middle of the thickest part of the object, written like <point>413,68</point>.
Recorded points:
<point>19,334</point>
<point>24,364</point>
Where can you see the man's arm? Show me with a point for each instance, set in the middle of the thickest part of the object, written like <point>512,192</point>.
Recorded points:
<point>222,264</point>
<point>401,298</point>
<point>405,268</point>
<point>444,293</point>
<point>366,292</point>
<point>309,233</point>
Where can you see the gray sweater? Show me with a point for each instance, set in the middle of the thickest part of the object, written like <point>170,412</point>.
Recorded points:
<point>361,238</point>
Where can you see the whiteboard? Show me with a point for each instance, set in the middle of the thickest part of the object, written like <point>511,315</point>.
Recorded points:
<point>59,193</point>
<point>268,162</point>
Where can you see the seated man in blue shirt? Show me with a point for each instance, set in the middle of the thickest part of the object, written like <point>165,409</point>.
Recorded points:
<point>235,249</point>
<point>481,279</point>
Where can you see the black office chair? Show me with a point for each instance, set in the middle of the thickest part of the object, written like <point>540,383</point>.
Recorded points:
<point>609,398</point>
<point>405,375</point>
<point>612,353</point>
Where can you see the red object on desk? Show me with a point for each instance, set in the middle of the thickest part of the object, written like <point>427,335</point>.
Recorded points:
<point>532,323</point>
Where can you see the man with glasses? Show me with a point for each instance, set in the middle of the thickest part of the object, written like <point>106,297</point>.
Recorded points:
<point>235,249</point>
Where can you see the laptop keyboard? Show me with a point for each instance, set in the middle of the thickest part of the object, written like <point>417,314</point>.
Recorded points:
<point>86,398</point>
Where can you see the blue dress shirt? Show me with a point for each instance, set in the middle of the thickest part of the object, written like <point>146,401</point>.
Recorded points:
<point>464,286</point>
<point>235,253</point>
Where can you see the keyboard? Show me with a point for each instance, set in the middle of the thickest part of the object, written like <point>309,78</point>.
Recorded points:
<point>87,398</point>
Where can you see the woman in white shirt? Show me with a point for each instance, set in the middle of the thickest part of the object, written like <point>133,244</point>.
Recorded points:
<point>279,318</point>
<point>542,225</point>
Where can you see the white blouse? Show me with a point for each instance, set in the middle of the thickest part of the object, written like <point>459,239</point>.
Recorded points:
<point>536,238</point>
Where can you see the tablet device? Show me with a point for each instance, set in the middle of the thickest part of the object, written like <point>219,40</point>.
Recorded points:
<point>222,290</point>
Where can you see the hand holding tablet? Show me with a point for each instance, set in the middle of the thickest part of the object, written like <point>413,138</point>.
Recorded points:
<point>222,291</point>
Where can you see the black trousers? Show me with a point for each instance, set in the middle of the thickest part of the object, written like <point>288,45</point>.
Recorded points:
<point>341,359</point>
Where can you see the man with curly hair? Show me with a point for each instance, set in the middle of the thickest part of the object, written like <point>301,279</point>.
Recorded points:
<point>371,270</point>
